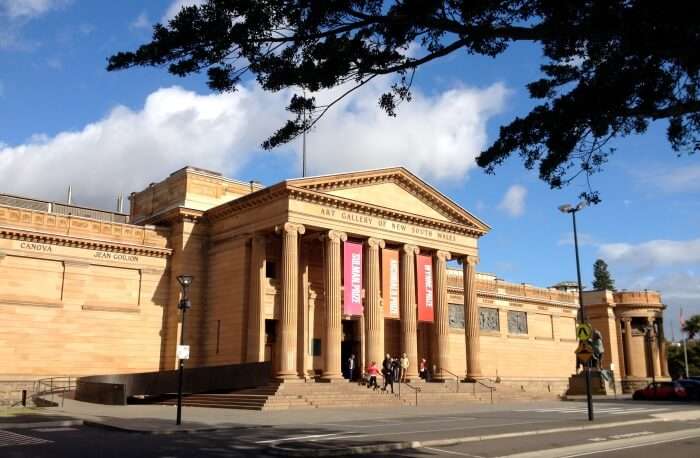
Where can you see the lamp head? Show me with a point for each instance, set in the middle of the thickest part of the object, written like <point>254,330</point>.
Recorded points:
<point>185,280</point>
<point>581,205</point>
<point>566,208</point>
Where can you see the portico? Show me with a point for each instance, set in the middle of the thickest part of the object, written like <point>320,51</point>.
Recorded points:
<point>301,255</point>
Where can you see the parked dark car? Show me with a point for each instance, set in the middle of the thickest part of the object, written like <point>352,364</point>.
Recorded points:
<point>692,387</point>
<point>661,391</point>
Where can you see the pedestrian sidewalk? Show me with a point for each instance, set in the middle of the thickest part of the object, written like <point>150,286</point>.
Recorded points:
<point>160,419</point>
<point>23,417</point>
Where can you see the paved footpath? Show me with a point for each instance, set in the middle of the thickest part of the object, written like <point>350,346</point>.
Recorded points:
<point>534,428</point>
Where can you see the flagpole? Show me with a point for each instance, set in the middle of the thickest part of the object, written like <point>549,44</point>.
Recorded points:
<point>685,347</point>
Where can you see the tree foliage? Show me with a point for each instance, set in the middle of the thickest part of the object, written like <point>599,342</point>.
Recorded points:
<point>676,360</point>
<point>609,67</point>
<point>692,326</point>
<point>601,276</point>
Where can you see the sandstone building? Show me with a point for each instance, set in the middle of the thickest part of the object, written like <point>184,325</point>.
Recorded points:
<point>302,273</point>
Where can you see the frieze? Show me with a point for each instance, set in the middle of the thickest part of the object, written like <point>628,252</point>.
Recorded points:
<point>383,223</point>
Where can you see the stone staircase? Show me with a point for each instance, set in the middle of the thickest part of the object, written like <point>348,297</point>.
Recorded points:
<point>313,395</point>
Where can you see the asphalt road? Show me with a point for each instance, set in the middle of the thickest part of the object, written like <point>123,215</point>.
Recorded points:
<point>665,438</point>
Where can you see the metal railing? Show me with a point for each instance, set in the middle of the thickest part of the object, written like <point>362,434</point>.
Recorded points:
<point>454,375</point>
<point>415,389</point>
<point>490,388</point>
<point>52,386</point>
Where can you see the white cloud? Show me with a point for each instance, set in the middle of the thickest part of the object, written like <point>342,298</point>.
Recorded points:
<point>583,239</point>
<point>436,136</point>
<point>685,178</point>
<point>176,6</point>
<point>141,22</point>
<point>652,254</point>
<point>513,201</point>
<point>28,8</point>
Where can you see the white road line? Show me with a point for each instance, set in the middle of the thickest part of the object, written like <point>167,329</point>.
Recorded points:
<point>8,439</point>
<point>53,430</point>
<point>450,452</point>
<point>594,448</point>
<point>312,436</point>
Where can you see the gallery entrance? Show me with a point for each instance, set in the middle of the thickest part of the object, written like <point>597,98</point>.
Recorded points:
<point>350,345</point>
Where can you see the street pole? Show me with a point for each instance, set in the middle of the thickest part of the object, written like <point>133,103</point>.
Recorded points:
<point>185,282</point>
<point>582,314</point>
<point>181,369</point>
<point>685,355</point>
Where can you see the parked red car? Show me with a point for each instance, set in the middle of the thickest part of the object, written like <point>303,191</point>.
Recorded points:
<point>661,391</point>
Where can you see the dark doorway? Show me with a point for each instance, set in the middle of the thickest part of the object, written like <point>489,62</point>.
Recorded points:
<point>350,345</point>
<point>270,341</point>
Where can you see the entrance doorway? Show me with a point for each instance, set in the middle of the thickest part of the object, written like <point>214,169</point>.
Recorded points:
<point>350,345</point>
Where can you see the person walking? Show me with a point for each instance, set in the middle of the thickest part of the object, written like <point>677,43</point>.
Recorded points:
<point>373,371</point>
<point>395,370</point>
<point>351,368</point>
<point>388,373</point>
<point>404,367</point>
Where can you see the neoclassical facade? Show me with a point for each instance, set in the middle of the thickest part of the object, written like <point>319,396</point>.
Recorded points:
<point>302,273</point>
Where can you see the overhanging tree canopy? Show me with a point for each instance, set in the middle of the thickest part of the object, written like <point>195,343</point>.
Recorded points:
<point>610,67</point>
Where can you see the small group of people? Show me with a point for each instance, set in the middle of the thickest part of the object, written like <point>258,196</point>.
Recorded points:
<point>393,370</point>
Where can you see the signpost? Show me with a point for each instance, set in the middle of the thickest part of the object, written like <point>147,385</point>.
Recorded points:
<point>584,331</point>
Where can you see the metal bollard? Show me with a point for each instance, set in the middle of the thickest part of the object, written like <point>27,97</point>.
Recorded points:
<point>24,398</point>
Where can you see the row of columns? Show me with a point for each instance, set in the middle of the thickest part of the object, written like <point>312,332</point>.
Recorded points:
<point>657,351</point>
<point>374,318</point>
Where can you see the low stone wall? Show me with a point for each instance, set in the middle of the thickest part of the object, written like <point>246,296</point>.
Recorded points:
<point>557,386</point>
<point>11,389</point>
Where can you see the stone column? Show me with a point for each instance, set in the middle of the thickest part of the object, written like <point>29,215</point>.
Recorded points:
<point>303,319</point>
<point>442,319</point>
<point>662,349</point>
<point>623,357</point>
<point>409,332</point>
<point>289,303</point>
<point>630,370</point>
<point>471,316</point>
<point>331,287</point>
<point>255,350</point>
<point>654,348</point>
<point>374,319</point>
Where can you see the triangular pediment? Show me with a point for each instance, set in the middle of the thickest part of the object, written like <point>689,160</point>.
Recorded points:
<point>396,189</point>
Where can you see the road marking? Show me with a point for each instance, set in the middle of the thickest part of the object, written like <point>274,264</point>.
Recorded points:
<point>312,436</point>
<point>450,452</point>
<point>53,430</point>
<point>574,451</point>
<point>401,423</point>
<point>8,439</point>
<point>605,410</point>
<point>620,436</point>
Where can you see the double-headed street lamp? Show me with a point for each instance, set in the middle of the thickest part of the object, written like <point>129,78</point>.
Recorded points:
<point>184,304</point>
<point>582,314</point>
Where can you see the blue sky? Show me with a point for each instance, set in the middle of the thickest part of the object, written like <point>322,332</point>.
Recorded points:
<point>65,120</point>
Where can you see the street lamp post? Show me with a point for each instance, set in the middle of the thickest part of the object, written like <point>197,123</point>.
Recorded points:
<point>582,314</point>
<point>184,304</point>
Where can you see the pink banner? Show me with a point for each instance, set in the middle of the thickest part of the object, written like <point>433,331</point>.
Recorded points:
<point>390,283</point>
<point>352,278</point>
<point>424,276</point>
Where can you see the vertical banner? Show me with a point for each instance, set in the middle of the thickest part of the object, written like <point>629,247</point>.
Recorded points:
<point>424,267</point>
<point>390,283</point>
<point>352,278</point>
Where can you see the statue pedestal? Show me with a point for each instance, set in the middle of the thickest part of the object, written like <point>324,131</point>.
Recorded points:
<point>602,383</point>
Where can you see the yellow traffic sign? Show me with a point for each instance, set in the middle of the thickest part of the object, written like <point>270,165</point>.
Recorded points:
<point>584,331</point>
<point>584,351</point>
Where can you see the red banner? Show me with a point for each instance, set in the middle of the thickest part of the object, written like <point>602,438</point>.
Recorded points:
<point>424,276</point>
<point>352,278</point>
<point>390,283</point>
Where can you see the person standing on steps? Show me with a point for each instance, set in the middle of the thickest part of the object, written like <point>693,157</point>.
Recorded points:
<point>351,368</point>
<point>388,373</point>
<point>404,367</point>
<point>423,369</point>
<point>395,370</point>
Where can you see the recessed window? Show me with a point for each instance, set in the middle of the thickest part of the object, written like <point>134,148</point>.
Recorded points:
<point>270,331</point>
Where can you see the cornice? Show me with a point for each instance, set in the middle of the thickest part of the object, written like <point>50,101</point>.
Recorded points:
<point>79,242</point>
<point>512,298</point>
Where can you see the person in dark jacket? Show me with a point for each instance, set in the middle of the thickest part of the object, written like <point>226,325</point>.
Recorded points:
<point>388,373</point>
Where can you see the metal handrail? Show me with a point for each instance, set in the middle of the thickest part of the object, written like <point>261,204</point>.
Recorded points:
<point>491,388</point>
<point>442,369</point>
<point>415,389</point>
<point>55,385</point>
